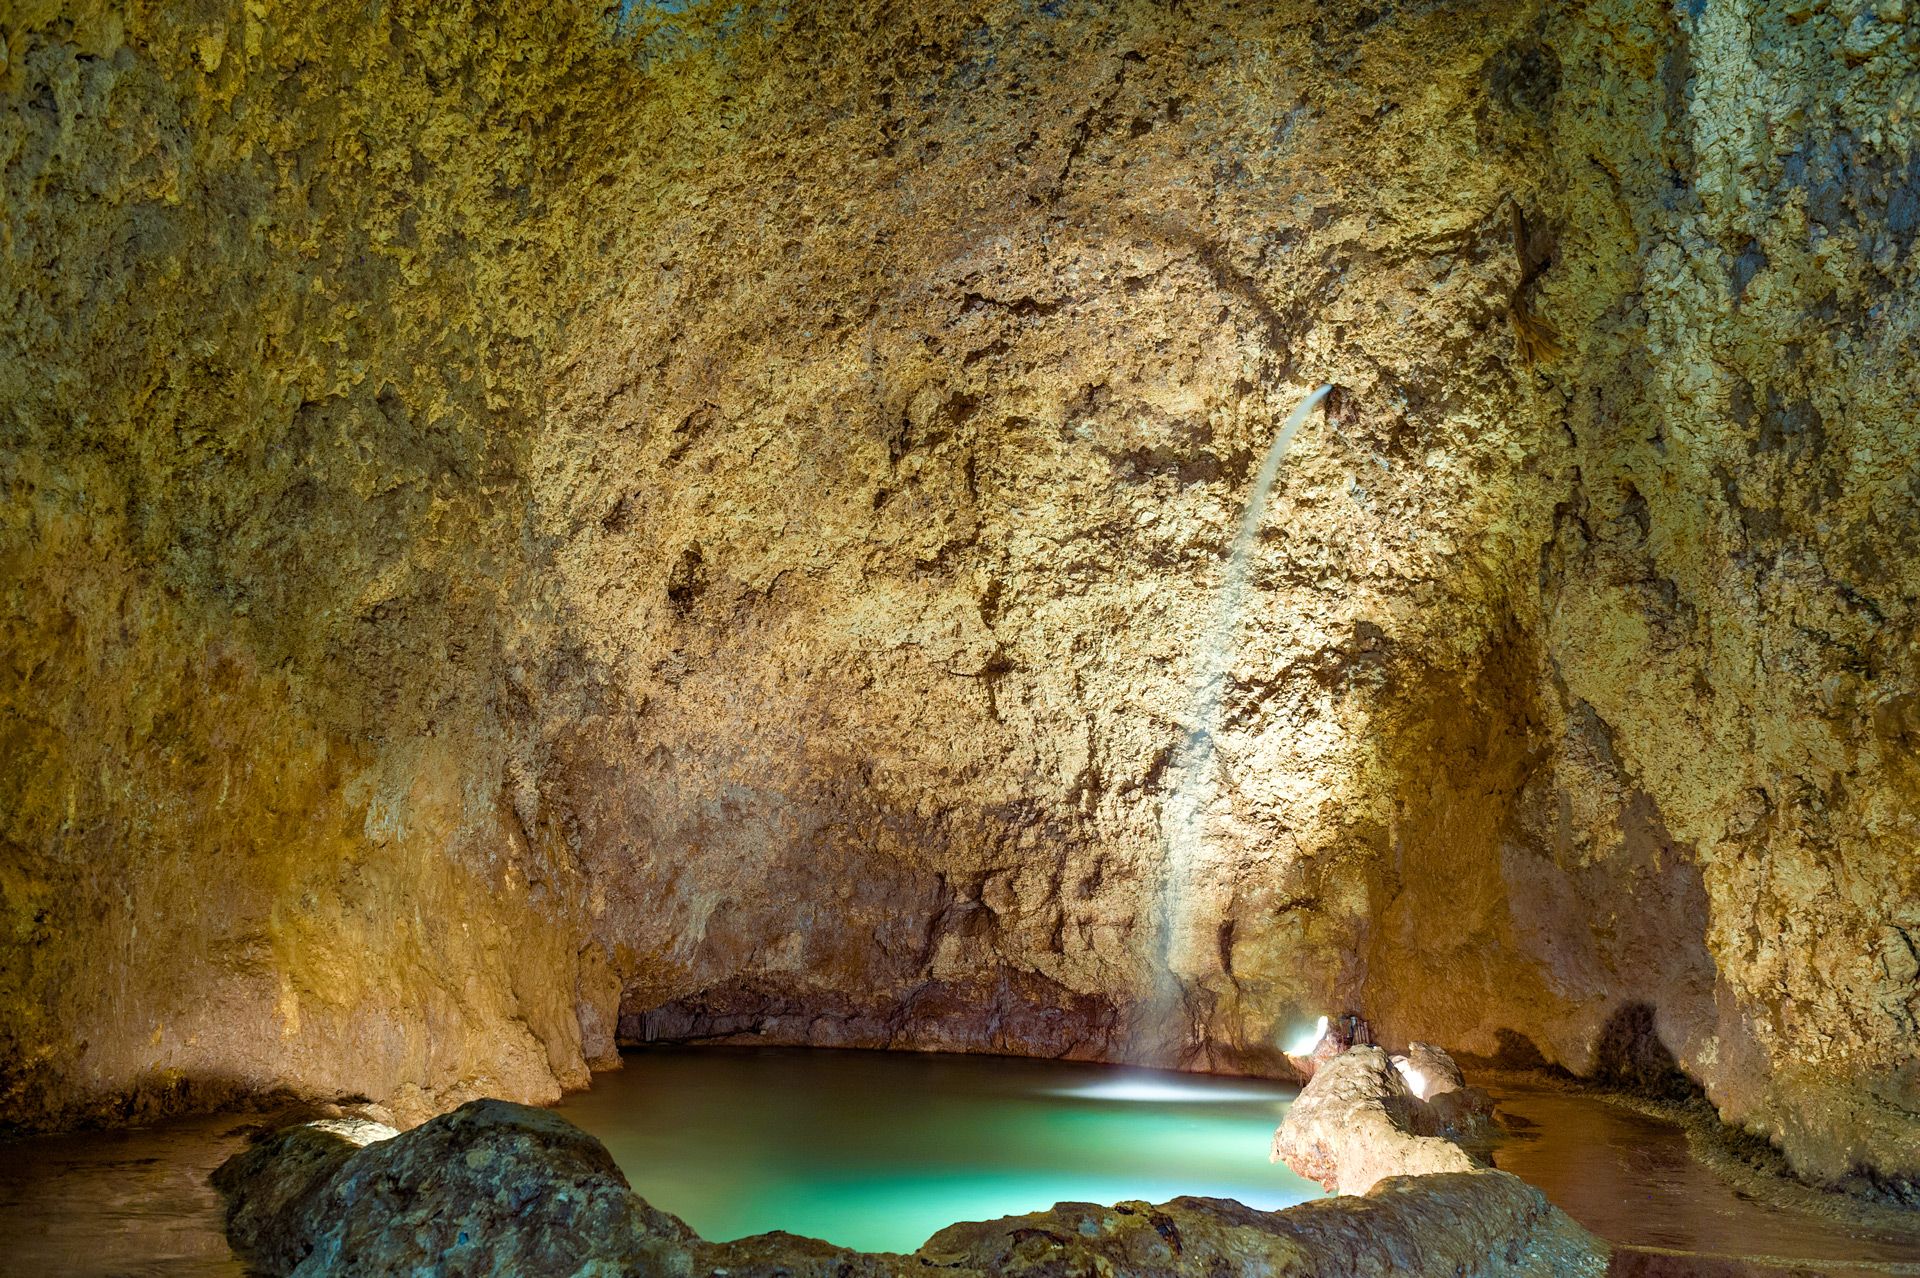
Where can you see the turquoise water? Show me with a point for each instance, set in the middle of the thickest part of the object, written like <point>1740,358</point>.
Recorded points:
<point>879,1151</point>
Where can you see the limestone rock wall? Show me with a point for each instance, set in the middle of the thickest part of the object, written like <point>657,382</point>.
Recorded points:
<point>1729,584</point>
<point>269,374</point>
<point>895,531</point>
<point>521,531</point>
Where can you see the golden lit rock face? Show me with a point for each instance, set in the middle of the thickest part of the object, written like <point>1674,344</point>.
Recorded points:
<point>1730,579</point>
<point>270,375</point>
<point>511,528</point>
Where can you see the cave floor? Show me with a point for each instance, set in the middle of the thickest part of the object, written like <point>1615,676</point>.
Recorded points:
<point>878,1150</point>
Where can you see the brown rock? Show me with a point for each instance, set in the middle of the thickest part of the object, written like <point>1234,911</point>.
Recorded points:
<point>1357,1123</point>
<point>497,1188</point>
<point>514,528</point>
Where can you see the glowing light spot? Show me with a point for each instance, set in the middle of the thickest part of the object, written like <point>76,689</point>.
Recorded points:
<point>1164,1091</point>
<point>1416,1080</point>
<point>1304,1045</point>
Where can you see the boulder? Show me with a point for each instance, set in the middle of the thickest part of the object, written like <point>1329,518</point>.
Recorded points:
<point>1473,1225</point>
<point>272,1186</point>
<point>499,1189</point>
<point>1454,1108</point>
<point>1357,1122</point>
<point>491,1188</point>
<point>1429,1071</point>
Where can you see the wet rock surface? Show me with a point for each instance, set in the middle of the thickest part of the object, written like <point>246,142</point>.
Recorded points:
<point>519,533</point>
<point>1357,1122</point>
<point>491,1188</point>
<point>496,1188</point>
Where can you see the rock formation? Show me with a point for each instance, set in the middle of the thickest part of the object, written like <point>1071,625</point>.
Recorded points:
<point>1357,1122</point>
<point>497,1188</point>
<point>529,526</point>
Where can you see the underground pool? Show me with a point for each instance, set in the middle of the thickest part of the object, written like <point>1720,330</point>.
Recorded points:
<point>878,1151</point>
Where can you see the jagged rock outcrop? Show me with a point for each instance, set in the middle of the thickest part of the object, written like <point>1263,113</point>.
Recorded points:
<point>499,1188</point>
<point>520,531</point>
<point>1357,1122</point>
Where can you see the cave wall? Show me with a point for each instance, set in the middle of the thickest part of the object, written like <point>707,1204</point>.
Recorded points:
<point>1729,586</point>
<point>269,375</point>
<point>895,532</point>
<point>703,523</point>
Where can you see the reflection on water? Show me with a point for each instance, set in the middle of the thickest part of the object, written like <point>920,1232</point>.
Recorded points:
<point>121,1203</point>
<point>879,1151</point>
<point>1633,1179</point>
<point>1154,1087</point>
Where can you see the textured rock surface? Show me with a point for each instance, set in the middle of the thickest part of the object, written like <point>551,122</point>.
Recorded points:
<point>270,371</point>
<point>1453,1223</point>
<point>1356,1124</point>
<point>496,1188</point>
<point>277,1188</point>
<point>514,532</point>
<point>491,1188</point>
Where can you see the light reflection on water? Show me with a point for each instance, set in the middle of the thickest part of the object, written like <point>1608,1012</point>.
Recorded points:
<point>883,1150</point>
<point>1153,1087</point>
<point>880,1151</point>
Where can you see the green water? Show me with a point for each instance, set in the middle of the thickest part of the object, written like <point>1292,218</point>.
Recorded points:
<point>879,1151</point>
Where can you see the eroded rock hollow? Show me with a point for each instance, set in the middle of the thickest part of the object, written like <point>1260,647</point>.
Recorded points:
<point>528,527</point>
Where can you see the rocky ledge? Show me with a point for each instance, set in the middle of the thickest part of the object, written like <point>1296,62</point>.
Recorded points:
<point>500,1188</point>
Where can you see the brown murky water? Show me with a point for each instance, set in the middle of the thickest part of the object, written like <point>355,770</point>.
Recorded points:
<point>137,1202</point>
<point>123,1203</point>
<point>1634,1179</point>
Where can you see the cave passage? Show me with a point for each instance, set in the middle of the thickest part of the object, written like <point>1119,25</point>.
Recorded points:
<point>878,1151</point>
<point>1078,534</point>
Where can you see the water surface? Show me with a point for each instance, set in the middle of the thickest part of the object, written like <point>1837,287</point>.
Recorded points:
<point>1634,1179</point>
<point>133,1203</point>
<point>879,1151</point>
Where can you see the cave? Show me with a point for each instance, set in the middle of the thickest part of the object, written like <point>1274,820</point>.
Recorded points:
<point>715,565</point>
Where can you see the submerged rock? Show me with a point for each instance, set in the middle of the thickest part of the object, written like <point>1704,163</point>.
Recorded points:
<point>500,1189</point>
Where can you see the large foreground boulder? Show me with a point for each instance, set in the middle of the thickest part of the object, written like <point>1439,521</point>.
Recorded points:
<point>1478,1225</point>
<point>275,1188</point>
<point>491,1188</point>
<point>500,1189</point>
